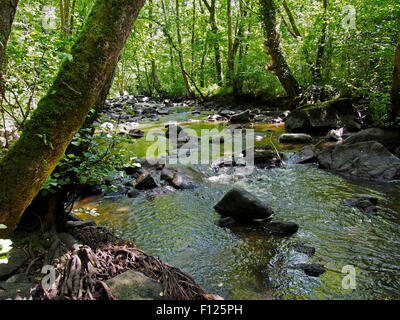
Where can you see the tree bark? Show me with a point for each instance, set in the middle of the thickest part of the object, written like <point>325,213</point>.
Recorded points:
<point>189,92</point>
<point>7,13</point>
<point>317,70</point>
<point>395,92</point>
<point>279,64</point>
<point>62,111</point>
<point>214,29</point>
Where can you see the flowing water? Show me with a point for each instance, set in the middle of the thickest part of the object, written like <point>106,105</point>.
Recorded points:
<point>246,262</point>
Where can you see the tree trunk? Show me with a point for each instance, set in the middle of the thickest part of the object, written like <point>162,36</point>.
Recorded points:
<point>214,29</point>
<point>62,111</point>
<point>189,92</point>
<point>279,64</point>
<point>395,92</point>
<point>317,70</point>
<point>7,13</point>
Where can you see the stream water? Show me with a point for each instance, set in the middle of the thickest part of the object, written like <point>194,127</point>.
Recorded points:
<point>246,262</point>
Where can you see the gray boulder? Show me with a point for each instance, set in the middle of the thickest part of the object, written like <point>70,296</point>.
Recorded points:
<point>132,285</point>
<point>388,138</point>
<point>242,206</point>
<point>368,160</point>
<point>322,117</point>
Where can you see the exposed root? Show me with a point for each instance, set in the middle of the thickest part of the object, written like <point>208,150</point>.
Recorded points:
<point>83,271</point>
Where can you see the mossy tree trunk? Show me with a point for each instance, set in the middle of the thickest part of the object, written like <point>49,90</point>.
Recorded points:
<point>273,44</point>
<point>395,92</point>
<point>62,111</point>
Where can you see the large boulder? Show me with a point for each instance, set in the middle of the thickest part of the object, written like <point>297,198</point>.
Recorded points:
<point>242,206</point>
<point>132,285</point>
<point>368,160</point>
<point>322,117</point>
<point>388,138</point>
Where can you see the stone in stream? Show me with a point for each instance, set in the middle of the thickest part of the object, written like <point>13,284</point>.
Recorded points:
<point>145,181</point>
<point>366,205</point>
<point>242,206</point>
<point>368,160</point>
<point>133,193</point>
<point>136,133</point>
<point>312,270</point>
<point>167,174</point>
<point>297,138</point>
<point>306,155</point>
<point>226,222</point>
<point>132,285</point>
<point>284,229</point>
<point>181,181</point>
<point>302,248</point>
<point>241,117</point>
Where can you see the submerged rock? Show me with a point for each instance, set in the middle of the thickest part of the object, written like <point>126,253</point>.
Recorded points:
<point>302,248</point>
<point>368,160</point>
<point>298,138</point>
<point>242,206</point>
<point>366,205</point>
<point>312,270</point>
<point>322,117</point>
<point>167,174</point>
<point>132,285</point>
<point>282,228</point>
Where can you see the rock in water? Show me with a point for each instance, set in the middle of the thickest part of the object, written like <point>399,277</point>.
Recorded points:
<point>302,248</point>
<point>322,117</point>
<point>306,155</point>
<point>242,206</point>
<point>312,270</point>
<point>295,138</point>
<point>282,228</point>
<point>145,181</point>
<point>367,160</point>
<point>167,174</point>
<point>136,133</point>
<point>366,205</point>
<point>132,285</point>
<point>181,181</point>
<point>242,117</point>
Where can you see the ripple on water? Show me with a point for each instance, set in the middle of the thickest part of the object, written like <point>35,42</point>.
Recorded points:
<point>245,263</point>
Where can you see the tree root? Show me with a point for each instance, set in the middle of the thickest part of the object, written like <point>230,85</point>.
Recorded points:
<point>84,270</point>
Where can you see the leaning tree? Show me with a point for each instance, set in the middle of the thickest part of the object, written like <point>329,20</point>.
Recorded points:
<point>62,111</point>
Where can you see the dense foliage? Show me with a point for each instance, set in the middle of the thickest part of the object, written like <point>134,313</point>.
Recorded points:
<point>213,45</point>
